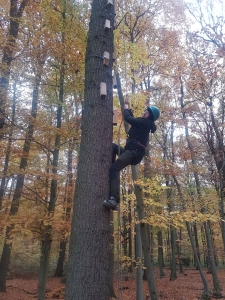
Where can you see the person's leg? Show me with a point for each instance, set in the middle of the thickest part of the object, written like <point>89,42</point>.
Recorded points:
<point>116,150</point>
<point>114,173</point>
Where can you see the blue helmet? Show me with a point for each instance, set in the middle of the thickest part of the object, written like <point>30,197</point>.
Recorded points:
<point>155,111</point>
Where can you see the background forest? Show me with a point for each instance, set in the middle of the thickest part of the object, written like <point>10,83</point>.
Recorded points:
<point>170,54</point>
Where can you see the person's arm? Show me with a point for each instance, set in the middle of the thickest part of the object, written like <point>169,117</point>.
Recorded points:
<point>153,129</point>
<point>128,114</point>
<point>129,118</point>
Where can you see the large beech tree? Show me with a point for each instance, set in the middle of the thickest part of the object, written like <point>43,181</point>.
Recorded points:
<point>88,266</point>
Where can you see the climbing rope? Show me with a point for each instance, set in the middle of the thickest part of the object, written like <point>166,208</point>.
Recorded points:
<point>119,241</point>
<point>124,48</point>
<point>120,274</point>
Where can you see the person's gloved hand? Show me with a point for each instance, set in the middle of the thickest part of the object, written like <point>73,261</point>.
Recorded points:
<point>126,105</point>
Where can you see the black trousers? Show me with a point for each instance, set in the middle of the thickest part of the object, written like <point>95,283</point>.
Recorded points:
<point>126,157</point>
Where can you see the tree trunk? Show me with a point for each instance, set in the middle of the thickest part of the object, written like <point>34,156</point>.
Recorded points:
<point>196,240</point>
<point>145,238</point>
<point>173,273</point>
<point>206,289</point>
<point>16,11</point>
<point>46,241</point>
<point>6,163</point>
<point>88,271</point>
<point>125,235</point>
<point>4,264</point>
<point>194,248</point>
<point>124,226</point>
<point>140,211</point>
<point>216,284</point>
<point>169,197</point>
<point>111,258</point>
<point>217,150</point>
<point>130,237</point>
<point>222,210</point>
<point>62,253</point>
<point>151,247</point>
<point>68,201</point>
<point>204,244</point>
<point>178,242</point>
<point>160,253</point>
<point>139,280</point>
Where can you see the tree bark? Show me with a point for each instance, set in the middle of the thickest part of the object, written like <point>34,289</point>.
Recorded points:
<point>160,253</point>
<point>139,279</point>
<point>130,249</point>
<point>216,284</point>
<point>217,150</point>
<point>196,240</point>
<point>16,12</point>
<point>68,201</point>
<point>206,289</point>
<point>144,238</point>
<point>178,243</point>
<point>173,272</point>
<point>62,253</point>
<point>88,271</point>
<point>6,163</point>
<point>111,258</point>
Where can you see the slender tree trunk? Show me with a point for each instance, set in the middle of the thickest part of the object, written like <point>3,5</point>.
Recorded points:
<point>204,244</point>
<point>170,200</point>
<point>195,229</point>
<point>125,232</point>
<point>4,264</point>
<point>194,248</point>
<point>173,273</point>
<point>160,253</point>
<point>216,284</point>
<point>68,202</point>
<point>151,247</point>
<point>140,211</point>
<point>6,164</point>
<point>16,11</point>
<point>130,249</point>
<point>62,253</point>
<point>178,242</point>
<point>145,238</point>
<point>206,289</point>
<point>217,150</point>
<point>47,236</point>
<point>168,250</point>
<point>139,280</point>
<point>222,210</point>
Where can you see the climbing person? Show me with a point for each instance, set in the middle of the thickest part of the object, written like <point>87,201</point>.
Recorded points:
<point>133,152</point>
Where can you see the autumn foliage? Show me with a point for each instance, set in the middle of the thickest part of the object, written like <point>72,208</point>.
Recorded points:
<point>162,59</point>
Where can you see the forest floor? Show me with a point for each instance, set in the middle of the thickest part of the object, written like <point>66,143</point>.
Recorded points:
<point>187,286</point>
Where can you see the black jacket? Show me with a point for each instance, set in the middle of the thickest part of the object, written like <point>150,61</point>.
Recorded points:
<point>139,131</point>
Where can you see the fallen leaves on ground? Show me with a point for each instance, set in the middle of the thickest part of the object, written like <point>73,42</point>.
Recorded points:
<point>187,286</point>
